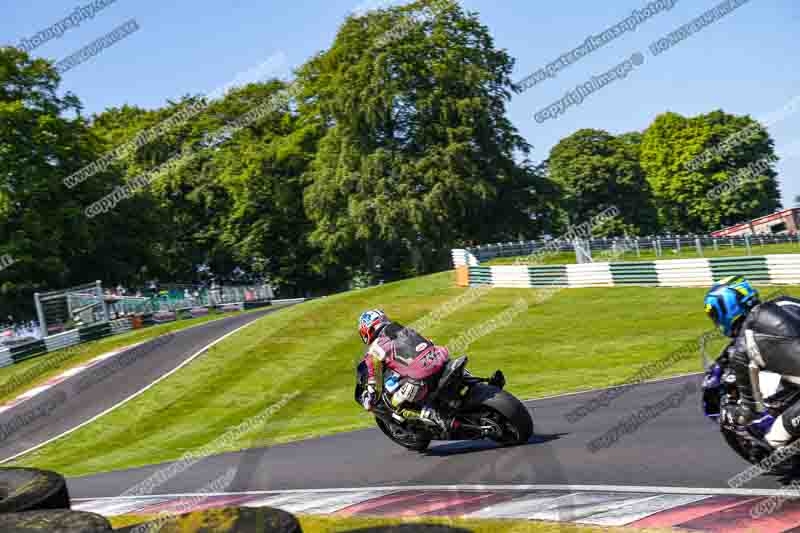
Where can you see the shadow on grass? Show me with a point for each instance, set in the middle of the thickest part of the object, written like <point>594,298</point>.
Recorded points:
<point>475,446</point>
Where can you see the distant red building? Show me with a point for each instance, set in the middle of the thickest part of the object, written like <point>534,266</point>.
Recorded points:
<point>782,222</point>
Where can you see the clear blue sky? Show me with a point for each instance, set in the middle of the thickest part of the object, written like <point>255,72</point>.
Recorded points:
<point>746,63</point>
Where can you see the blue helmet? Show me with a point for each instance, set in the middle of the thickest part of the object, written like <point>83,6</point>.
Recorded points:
<point>729,301</point>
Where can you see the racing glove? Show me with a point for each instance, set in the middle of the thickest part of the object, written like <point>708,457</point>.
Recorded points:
<point>368,397</point>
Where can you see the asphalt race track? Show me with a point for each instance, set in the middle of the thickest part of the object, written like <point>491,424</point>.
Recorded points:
<point>677,448</point>
<point>647,458</point>
<point>76,400</point>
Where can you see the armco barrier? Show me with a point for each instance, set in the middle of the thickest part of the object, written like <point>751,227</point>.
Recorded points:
<point>255,305</point>
<point>62,340</point>
<point>95,331</point>
<point>121,325</point>
<point>26,351</point>
<point>198,311</point>
<point>781,269</point>
<point>5,357</point>
<point>165,316</point>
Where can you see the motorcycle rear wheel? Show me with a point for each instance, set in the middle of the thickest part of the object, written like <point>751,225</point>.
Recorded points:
<point>404,437</point>
<point>511,416</point>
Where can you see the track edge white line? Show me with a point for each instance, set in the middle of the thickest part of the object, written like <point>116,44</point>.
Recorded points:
<point>132,396</point>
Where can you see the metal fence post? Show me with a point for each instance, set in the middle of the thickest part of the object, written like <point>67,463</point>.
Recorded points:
<point>747,244</point>
<point>40,314</point>
<point>102,300</point>
<point>699,247</point>
<point>716,245</point>
<point>636,244</point>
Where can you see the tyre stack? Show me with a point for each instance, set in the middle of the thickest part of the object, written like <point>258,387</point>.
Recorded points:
<point>33,501</point>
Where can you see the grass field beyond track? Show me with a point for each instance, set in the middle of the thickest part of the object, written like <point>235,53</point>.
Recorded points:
<point>577,339</point>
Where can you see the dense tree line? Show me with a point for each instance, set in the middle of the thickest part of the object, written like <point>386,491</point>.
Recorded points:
<point>387,150</point>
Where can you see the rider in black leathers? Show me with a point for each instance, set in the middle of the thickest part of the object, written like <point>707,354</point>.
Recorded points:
<point>766,336</point>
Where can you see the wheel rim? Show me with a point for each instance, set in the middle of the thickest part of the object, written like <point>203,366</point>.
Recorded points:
<point>506,432</point>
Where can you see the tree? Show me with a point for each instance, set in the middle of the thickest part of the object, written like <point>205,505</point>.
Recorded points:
<point>685,184</point>
<point>598,171</point>
<point>140,227</point>
<point>418,154</point>
<point>43,139</point>
<point>235,201</point>
<point>263,173</point>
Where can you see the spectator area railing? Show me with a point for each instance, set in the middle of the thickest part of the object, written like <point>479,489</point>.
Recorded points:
<point>658,244</point>
<point>10,355</point>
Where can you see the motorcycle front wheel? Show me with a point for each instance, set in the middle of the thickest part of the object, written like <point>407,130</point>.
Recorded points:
<point>754,455</point>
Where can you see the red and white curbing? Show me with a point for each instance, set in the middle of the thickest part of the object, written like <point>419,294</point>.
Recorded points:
<point>100,358</point>
<point>652,507</point>
<point>52,382</point>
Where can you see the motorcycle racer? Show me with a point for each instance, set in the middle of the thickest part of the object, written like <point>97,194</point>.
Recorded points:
<point>765,336</point>
<point>414,362</point>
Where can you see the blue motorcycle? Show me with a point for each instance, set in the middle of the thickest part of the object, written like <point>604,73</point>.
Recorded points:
<point>719,391</point>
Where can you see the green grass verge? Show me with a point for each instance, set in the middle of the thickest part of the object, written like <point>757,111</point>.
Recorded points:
<point>16,379</point>
<point>333,524</point>
<point>577,339</point>
<point>324,524</point>
<point>687,252</point>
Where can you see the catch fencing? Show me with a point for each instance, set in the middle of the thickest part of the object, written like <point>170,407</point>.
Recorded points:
<point>89,304</point>
<point>658,245</point>
<point>176,297</point>
<point>11,355</point>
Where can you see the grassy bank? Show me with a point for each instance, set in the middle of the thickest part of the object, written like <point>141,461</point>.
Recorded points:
<point>16,379</point>
<point>576,339</point>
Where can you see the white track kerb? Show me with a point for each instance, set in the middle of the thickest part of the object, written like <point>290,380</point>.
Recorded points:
<point>132,396</point>
<point>637,489</point>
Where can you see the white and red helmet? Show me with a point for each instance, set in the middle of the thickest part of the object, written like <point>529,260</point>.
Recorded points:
<point>371,323</point>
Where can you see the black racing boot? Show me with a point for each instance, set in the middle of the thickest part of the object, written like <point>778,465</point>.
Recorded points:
<point>786,427</point>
